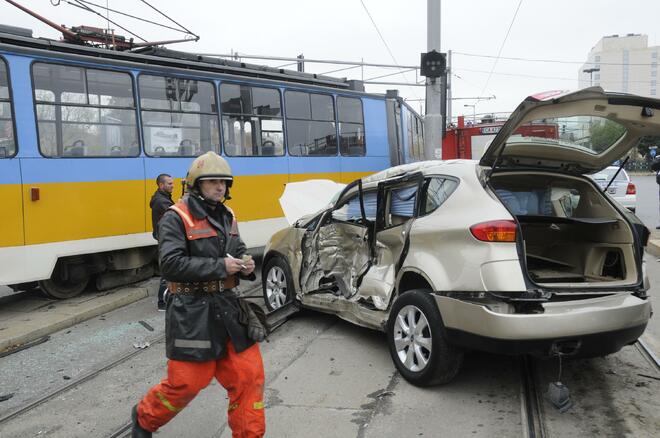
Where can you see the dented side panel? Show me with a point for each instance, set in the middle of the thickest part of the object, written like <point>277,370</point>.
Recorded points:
<point>334,259</point>
<point>378,284</point>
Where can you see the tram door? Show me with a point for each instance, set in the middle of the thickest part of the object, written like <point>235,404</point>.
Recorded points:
<point>11,233</point>
<point>86,181</point>
<point>10,196</point>
<point>394,132</point>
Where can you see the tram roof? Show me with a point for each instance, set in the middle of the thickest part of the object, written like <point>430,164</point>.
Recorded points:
<point>191,61</point>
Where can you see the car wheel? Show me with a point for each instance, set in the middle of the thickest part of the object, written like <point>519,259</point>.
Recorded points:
<point>417,341</point>
<point>277,283</point>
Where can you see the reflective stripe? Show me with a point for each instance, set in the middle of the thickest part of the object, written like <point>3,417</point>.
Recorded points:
<point>258,405</point>
<point>167,403</point>
<point>187,343</point>
<point>201,231</point>
<point>185,216</point>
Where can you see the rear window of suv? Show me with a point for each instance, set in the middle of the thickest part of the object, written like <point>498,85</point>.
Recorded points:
<point>435,192</point>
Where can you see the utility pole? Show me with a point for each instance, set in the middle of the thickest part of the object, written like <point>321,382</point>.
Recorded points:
<point>433,118</point>
<point>591,74</point>
<point>301,62</point>
<point>448,114</point>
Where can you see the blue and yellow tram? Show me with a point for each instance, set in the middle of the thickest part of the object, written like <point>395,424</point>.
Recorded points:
<point>85,131</point>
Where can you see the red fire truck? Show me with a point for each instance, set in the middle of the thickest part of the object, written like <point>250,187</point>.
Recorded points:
<point>469,141</point>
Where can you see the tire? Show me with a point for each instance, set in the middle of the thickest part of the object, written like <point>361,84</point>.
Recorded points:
<point>423,363</point>
<point>277,283</point>
<point>61,290</point>
<point>58,288</point>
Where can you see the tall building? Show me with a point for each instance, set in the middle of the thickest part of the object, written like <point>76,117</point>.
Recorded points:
<point>622,63</point>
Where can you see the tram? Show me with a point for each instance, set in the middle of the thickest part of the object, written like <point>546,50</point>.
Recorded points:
<point>84,132</point>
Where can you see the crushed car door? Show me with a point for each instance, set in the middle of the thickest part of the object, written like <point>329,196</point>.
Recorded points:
<point>337,254</point>
<point>397,207</point>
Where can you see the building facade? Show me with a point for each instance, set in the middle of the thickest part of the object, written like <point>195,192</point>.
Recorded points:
<point>622,63</point>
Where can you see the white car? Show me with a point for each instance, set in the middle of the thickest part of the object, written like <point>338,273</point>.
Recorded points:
<point>518,253</point>
<point>622,189</point>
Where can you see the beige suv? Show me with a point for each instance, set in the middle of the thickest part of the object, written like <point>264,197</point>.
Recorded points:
<point>517,253</point>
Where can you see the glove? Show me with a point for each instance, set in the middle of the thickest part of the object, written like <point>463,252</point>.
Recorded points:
<point>256,328</point>
<point>256,333</point>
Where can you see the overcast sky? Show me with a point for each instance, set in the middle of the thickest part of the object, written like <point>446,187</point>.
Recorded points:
<point>557,30</point>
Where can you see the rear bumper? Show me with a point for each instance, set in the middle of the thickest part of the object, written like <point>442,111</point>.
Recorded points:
<point>615,320</point>
<point>594,345</point>
<point>628,201</point>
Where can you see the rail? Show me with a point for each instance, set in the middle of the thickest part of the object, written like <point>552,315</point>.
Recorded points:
<point>530,402</point>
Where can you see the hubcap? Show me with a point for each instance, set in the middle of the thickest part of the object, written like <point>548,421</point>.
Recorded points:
<point>276,287</point>
<point>412,338</point>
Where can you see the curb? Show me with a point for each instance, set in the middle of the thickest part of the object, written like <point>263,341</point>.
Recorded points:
<point>23,333</point>
<point>653,247</point>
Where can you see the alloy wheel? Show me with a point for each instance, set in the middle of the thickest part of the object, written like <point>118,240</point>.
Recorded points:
<point>412,338</point>
<point>276,287</point>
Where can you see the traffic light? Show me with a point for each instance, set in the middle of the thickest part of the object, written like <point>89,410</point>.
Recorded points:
<point>434,64</point>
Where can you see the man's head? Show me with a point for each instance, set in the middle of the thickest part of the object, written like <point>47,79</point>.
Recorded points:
<point>165,183</point>
<point>210,167</point>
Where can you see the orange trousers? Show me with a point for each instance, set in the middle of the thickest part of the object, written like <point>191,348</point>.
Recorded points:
<point>241,374</point>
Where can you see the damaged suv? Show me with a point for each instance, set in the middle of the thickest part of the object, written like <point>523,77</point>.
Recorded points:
<point>518,253</point>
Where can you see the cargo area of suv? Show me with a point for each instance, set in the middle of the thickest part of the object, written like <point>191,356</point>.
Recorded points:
<point>572,235</point>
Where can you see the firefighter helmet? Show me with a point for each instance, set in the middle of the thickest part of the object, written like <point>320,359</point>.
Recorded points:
<point>209,166</point>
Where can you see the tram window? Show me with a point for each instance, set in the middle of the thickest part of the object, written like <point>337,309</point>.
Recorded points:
<point>251,120</point>
<point>179,116</point>
<point>84,112</point>
<point>310,124</point>
<point>351,126</point>
<point>415,137</point>
<point>7,142</point>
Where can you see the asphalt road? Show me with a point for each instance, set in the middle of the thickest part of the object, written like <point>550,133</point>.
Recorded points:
<point>324,378</point>
<point>647,200</point>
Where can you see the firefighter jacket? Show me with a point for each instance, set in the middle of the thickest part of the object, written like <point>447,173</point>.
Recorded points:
<point>160,202</point>
<point>198,325</point>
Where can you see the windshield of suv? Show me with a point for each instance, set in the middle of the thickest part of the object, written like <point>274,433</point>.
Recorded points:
<point>589,134</point>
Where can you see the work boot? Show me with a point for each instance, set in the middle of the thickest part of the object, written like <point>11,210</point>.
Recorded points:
<point>137,431</point>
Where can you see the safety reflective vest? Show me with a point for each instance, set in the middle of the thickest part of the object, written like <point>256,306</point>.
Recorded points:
<point>200,228</point>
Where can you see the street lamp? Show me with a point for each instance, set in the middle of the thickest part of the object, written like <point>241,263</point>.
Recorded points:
<point>474,112</point>
<point>591,74</point>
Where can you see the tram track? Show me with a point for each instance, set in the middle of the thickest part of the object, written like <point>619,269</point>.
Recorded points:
<point>648,354</point>
<point>531,403</point>
<point>118,360</point>
<point>112,363</point>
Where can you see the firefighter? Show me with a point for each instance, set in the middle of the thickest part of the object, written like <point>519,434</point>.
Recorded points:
<point>208,333</point>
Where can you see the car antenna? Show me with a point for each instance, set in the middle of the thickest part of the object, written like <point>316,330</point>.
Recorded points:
<point>617,173</point>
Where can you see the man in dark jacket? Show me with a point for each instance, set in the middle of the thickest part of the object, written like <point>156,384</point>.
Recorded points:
<point>202,255</point>
<point>160,202</point>
<point>655,166</point>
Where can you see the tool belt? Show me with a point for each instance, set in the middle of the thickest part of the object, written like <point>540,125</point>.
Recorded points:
<point>202,287</point>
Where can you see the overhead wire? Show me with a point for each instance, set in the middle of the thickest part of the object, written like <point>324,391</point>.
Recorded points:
<point>555,61</point>
<point>171,19</point>
<point>387,46</point>
<point>522,75</point>
<point>79,4</point>
<point>391,74</point>
<point>134,17</point>
<point>499,52</point>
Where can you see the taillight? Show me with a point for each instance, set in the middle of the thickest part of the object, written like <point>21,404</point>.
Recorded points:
<point>631,189</point>
<point>495,231</point>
